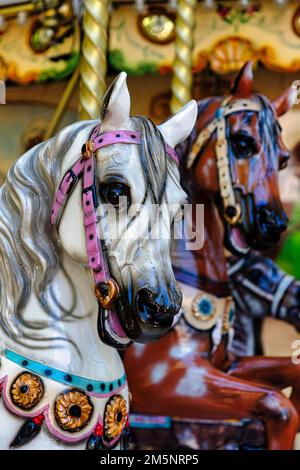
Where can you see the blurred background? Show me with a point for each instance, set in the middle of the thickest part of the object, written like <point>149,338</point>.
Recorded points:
<point>57,57</point>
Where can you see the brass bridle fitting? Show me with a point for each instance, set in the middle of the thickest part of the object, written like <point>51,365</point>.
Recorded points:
<point>232,214</point>
<point>106,293</point>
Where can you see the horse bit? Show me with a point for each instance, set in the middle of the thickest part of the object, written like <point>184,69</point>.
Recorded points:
<point>232,210</point>
<point>106,289</point>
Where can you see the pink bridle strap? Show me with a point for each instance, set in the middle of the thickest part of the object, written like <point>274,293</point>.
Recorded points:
<point>86,167</point>
<point>123,137</point>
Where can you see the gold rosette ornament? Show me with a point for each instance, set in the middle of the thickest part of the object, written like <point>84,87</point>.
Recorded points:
<point>115,417</point>
<point>26,391</point>
<point>73,410</point>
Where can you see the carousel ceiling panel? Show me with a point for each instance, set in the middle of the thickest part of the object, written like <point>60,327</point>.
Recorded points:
<point>225,37</point>
<point>39,47</point>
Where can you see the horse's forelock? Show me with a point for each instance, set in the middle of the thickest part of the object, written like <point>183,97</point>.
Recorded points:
<point>268,129</point>
<point>153,157</point>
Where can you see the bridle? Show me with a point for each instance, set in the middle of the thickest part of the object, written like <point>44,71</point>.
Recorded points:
<point>106,288</point>
<point>232,209</point>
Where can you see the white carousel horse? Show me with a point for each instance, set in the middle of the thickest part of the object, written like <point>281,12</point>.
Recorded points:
<point>60,384</point>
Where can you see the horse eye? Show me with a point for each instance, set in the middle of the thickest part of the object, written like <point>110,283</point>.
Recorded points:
<point>283,162</point>
<point>243,146</point>
<point>112,192</point>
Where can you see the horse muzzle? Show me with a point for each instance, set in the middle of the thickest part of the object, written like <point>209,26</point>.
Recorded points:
<point>149,317</point>
<point>154,314</point>
<point>270,225</point>
<point>258,227</point>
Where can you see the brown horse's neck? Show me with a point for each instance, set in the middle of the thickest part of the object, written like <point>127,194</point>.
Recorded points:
<point>204,268</point>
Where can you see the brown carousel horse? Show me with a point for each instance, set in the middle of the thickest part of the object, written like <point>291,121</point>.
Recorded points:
<point>235,153</point>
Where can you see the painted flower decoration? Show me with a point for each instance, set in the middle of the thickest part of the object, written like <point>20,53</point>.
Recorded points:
<point>27,390</point>
<point>233,14</point>
<point>115,417</point>
<point>73,410</point>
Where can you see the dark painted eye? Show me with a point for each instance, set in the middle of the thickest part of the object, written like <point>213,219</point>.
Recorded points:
<point>283,161</point>
<point>243,146</point>
<point>112,192</point>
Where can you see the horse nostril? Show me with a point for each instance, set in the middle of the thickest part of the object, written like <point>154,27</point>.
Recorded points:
<point>150,309</point>
<point>266,216</point>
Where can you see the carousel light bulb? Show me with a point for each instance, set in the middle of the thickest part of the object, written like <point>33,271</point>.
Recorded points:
<point>209,3</point>
<point>22,17</point>
<point>280,3</point>
<point>244,3</point>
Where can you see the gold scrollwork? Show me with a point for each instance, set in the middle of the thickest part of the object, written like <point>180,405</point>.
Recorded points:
<point>296,22</point>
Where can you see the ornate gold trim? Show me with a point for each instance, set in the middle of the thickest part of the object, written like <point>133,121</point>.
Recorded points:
<point>153,36</point>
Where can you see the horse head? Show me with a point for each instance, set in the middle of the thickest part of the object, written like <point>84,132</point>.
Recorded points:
<point>135,173</point>
<point>236,159</point>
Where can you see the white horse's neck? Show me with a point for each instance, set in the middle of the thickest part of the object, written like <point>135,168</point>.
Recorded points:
<point>73,345</point>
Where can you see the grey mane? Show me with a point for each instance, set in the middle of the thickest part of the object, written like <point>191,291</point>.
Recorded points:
<point>29,255</point>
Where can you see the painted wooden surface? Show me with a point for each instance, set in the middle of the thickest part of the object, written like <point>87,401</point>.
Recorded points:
<point>224,39</point>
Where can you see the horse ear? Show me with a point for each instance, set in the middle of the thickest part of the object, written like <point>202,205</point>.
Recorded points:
<point>178,127</point>
<point>285,101</point>
<point>115,106</point>
<point>242,84</point>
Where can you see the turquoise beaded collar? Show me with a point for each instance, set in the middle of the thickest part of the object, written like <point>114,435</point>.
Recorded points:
<point>92,387</point>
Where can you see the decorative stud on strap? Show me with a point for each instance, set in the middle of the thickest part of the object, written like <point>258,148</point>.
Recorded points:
<point>87,150</point>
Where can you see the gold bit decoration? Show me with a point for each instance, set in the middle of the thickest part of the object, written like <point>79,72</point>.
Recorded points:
<point>181,85</point>
<point>73,410</point>
<point>93,64</point>
<point>115,417</point>
<point>106,293</point>
<point>26,391</point>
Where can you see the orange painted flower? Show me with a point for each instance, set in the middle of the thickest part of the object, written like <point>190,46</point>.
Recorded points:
<point>115,417</point>
<point>73,410</point>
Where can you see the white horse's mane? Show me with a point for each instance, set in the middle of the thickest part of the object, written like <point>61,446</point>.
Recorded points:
<point>29,253</point>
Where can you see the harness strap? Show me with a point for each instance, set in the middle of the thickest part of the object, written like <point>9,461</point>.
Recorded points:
<point>223,165</point>
<point>86,167</point>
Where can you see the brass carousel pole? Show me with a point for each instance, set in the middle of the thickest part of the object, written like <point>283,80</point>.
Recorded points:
<point>93,64</point>
<point>181,85</point>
